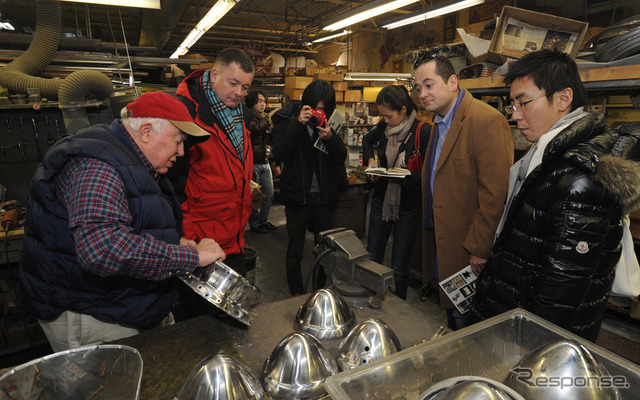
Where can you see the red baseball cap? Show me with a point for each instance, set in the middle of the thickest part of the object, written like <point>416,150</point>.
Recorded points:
<point>165,106</point>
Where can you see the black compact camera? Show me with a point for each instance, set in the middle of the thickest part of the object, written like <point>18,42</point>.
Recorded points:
<point>317,118</point>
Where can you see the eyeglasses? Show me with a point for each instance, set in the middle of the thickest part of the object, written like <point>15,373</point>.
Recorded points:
<point>511,108</point>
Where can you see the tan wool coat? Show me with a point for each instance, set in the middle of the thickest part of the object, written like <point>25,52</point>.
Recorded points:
<point>469,189</point>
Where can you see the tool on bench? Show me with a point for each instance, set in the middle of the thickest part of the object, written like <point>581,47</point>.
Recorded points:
<point>37,138</point>
<point>50,139</point>
<point>361,281</point>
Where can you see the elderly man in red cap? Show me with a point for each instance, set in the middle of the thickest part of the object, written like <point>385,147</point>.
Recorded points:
<point>103,230</point>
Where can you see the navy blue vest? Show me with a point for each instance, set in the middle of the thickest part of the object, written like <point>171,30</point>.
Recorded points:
<point>51,280</point>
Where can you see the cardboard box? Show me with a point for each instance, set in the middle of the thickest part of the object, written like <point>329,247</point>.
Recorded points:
<point>294,94</point>
<point>352,95</point>
<point>309,71</point>
<point>522,31</point>
<point>297,82</point>
<point>337,86</point>
<point>370,93</point>
<point>330,77</point>
<point>339,96</point>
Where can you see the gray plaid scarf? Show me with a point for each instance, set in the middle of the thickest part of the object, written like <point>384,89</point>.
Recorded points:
<point>230,118</point>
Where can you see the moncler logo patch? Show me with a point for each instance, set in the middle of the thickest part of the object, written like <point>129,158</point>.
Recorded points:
<point>582,247</point>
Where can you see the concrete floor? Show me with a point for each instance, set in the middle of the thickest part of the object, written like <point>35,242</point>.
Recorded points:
<point>270,275</point>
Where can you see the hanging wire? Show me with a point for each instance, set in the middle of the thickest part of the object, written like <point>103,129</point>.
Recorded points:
<point>113,37</point>
<point>87,21</point>
<point>75,13</point>
<point>126,47</point>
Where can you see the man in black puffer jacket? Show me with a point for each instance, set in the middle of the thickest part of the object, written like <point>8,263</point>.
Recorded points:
<point>559,239</point>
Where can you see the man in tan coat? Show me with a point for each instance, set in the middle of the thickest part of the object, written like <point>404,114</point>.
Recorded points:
<point>464,177</point>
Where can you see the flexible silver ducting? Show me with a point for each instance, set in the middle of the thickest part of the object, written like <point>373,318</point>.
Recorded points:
<point>22,73</point>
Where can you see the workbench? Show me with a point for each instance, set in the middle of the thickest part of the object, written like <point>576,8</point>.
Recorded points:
<point>171,353</point>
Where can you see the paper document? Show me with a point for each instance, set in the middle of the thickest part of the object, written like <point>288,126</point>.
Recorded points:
<point>336,121</point>
<point>460,287</point>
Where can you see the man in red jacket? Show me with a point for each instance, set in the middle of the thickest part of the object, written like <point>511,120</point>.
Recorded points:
<point>217,197</point>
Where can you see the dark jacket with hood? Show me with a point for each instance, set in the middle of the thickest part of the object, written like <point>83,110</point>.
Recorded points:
<point>293,146</point>
<point>260,133</point>
<point>557,252</point>
<point>411,191</point>
<point>52,279</point>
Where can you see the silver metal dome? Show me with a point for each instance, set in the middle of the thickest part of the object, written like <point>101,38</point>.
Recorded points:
<point>221,377</point>
<point>325,315</point>
<point>297,368</point>
<point>561,370</point>
<point>370,340</point>
<point>469,388</point>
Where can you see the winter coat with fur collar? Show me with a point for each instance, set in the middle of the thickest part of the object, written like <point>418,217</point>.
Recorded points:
<point>557,252</point>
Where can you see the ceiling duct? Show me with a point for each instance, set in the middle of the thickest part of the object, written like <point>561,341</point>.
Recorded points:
<point>23,72</point>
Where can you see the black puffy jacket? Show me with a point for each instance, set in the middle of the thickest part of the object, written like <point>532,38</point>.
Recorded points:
<point>293,146</point>
<point>557,252</point>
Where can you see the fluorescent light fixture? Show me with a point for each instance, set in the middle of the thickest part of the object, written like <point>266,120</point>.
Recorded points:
<point>375,76</point>
<point>440,10</point>
<point>368,11</point>
<point>180,51</point>
<point>7,25</point>
<point>214,15</point>
<point>322,39</point>
<point>124,3</point>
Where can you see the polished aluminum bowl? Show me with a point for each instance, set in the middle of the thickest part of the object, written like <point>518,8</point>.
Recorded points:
<point>224,288</point>
<point>221,377</point>
<point>561,370</point>
<point>370,340</point>
<point>470,388</point>
<point>297,368</point>
<point>325,315</point>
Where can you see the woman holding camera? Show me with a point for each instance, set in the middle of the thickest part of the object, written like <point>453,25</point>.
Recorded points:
<point>313,172</point>
<point>395,203</point>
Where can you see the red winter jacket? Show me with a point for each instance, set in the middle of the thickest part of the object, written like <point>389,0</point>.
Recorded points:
<point>219,199</point>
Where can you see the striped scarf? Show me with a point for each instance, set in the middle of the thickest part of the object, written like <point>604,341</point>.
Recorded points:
<point>230,118</point>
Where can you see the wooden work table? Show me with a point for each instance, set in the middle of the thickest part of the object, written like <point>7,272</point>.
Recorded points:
<point>12,234</point>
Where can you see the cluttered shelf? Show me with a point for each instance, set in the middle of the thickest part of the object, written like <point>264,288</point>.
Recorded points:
<point>619,78</point>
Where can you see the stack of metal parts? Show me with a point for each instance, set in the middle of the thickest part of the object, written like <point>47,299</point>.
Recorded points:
<point>618,41</point>
<point>300,363</point>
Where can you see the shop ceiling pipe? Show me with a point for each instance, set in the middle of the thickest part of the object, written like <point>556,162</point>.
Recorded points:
<point>22,73</point>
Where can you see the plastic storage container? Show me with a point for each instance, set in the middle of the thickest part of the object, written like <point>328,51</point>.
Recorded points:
<point>95,372</point>
<point>487,349</point>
